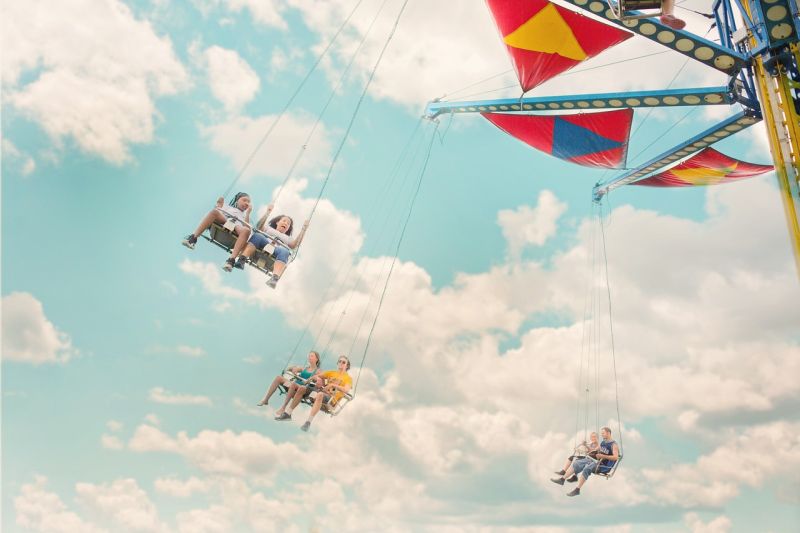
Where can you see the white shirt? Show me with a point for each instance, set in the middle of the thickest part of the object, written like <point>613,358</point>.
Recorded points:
<point>233,212</point>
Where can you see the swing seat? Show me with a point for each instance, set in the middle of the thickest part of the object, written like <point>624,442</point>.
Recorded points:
<point>311,395</point>
<point>609,473</point>
<point>263,259</point>
<point>635,9</point>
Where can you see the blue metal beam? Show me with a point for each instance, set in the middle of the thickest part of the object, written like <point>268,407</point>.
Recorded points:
<point>667,98</point>
<point>707,52</point>
<point>702,140</point>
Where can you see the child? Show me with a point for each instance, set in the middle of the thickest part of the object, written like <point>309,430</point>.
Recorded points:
<point>280,229</point>
<point>239,211</point>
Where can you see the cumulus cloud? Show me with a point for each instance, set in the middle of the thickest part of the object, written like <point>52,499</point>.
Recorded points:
<point>11,152</point>
<point>28,336</point>
<point>527,226</point>
<point>453,59</point>
<point>123,503</point>
<point>237,137</point>
<point>265,12</point>
<point>111,442</point>
<point>161,395</point>
<point>181,488</point>
<point>96,81</point>
<point>720,524</point>
<point>38,509</point>
<point>233,82</point>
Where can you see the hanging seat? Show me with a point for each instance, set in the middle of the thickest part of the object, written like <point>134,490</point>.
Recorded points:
<point>263,259</point>
<point>311,395</point>
<point>608,474</point>
<point>635,9</point>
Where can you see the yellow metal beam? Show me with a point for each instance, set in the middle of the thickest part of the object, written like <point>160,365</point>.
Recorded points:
<point>783,130</point>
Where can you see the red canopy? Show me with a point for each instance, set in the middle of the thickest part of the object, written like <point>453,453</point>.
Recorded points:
<point>589,139</point>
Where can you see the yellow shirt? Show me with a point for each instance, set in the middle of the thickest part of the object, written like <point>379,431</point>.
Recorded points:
<point>334,377</point>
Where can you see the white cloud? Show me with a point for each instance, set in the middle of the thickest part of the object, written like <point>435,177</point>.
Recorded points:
<point>526,225</point>
<point>190,351</point>
<point>181,488</point>
<point>225,452</point>
<point>161,395</point>
<point>28,336</point>
<point>233,82</point>
<point>111,442</point>
<point>240,135</point>
<point>252,360</point>
<point>264,12</point>
<point>40,510</point>
<point>720,524</point>
<point>716,478</point>
<point>180,349</point>
<point>98,75</point>
<point>11,152</point>
<point>285,60</point>
<point>122,502</point>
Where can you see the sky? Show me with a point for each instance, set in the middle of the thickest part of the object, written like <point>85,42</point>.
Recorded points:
<point>131,366</point>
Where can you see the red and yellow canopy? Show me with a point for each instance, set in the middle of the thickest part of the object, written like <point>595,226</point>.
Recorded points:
<point>544,39</point>
<point>708,167</point>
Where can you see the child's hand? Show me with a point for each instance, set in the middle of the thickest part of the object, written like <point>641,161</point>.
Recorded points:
<point>306,223</point>
<point>270,207</point>
<point>220,201</point>
<point>249,209</point>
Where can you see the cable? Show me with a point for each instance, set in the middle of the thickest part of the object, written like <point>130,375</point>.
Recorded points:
<point>334,91</point>
<point>611,328</point>
<point>396,252</point>
<point>291,99</point>
<point>358,107</point>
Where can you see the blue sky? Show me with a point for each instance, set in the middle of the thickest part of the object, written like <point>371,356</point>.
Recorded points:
<point>131,366</point>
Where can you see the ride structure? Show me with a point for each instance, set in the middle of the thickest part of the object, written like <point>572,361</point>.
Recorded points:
<point>760,55</point>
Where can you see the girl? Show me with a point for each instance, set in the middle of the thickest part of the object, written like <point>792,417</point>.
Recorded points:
<point>303,377</point>
<point>239,211</point>
<point>280,230</point>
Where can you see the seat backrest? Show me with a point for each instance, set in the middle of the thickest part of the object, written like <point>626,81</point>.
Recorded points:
<point>221,236</point>
<point>640,5</point>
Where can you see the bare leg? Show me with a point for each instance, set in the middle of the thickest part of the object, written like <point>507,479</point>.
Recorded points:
<point>279,380</point>
<point>298,397</point>
<point>243,233</point>
<point>289,395</point>
<point>248,250</point>
<point>316,407</point>
<point>211,217</point>
<point>278,268</point>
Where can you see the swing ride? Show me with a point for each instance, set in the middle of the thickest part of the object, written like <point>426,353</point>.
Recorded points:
<point>544,40</point>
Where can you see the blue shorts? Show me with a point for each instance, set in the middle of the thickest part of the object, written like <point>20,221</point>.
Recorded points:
<point>259,240</point>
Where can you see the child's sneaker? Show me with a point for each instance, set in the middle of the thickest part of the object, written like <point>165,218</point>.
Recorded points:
<point>272,282</point>
<point>228,266</point>
<point>189,241</point>
<point>240,262</point>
